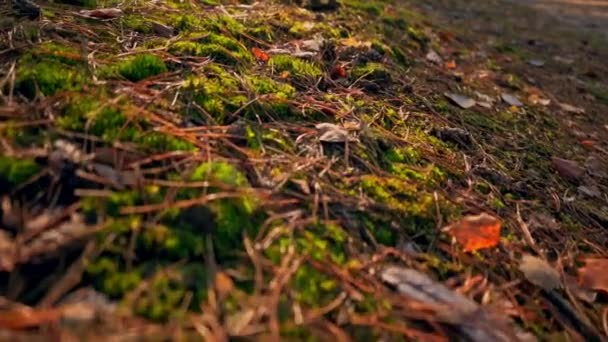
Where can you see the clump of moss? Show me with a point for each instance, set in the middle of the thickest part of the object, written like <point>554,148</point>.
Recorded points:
<point>262,85</point>
<point>15,171</point>
<point>137,23</point>
<point>222,49</point>
<point>228,219</point>
<point>373,76</point>
<point>48,77</point>
<point>296,67</point>
<point>88,114</point>
<point>141,67</point>
<point>218,92</point>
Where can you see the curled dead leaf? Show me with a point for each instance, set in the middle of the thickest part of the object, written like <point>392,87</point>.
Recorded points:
<point>338,71</point>
<point>460,100</point>
<point>102,13</point>
<point>539,272</point>
<point>476,232</point>
<point>568,169</point>
<point>511,100</point>
<point>593,275</point>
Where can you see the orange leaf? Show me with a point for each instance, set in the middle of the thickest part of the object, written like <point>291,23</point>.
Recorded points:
<point>588,144</point>
<point>337,71</point>
<point>26,317</point>
<point>451,64</point>
<point>284,74</point>
<point>593,275</point>
<point>476,232</point>
<point>260,55</point>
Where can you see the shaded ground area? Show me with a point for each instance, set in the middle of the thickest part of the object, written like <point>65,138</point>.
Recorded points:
<point>416,170</point>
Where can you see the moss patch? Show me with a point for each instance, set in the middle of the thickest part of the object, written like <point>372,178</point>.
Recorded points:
<point>141,67</point>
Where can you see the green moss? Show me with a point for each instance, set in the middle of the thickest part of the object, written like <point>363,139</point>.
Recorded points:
<point>296,67</point>
<point>15,171</point>
<point>48,77</point>
<point>375,72</point>
<point>90,115</point>
<point>137,23</point>
<point>231,217</point>
<point>220,48</point>
<point>110,279</point>
<point>141,67</point>
<point>312,287</point>
<point>262,85</point>
<point>161,142</point>
<point>218,93</point>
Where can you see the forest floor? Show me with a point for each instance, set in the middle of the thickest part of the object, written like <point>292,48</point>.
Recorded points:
<point>383,169</point>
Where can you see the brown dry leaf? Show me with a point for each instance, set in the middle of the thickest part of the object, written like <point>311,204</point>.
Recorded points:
<point>539,272</point>
<point>24,317</point>
<point>102,13</point>
<point>223,284</point>
<point>476,232</point>
<point>260,55</point>
<point>568,169</point>
<point>571,109</point>
<point>8,250</point>
<point>588,144</point>
<point>331,133</point>
<point>593,275</point>
<point>338,71</point>
<point>461,100</point>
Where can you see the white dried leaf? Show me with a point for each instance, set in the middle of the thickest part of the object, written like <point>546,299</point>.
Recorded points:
<point>511,100</point>
<point>539,272</point>
<point>434,57</point>
<point>461,100</point>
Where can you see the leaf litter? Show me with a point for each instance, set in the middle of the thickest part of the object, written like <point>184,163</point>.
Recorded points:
<point>197,190</point>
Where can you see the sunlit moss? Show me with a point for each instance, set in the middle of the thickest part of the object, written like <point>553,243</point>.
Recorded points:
<point>17,170</point>
<point>141,67</point>
<point>220,48</point>
<point>48,77</point>
<point>296,67</point>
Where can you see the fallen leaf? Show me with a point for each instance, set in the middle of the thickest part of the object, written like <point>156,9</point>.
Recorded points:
<point>331,133</point>
<point>260,55</point>
<point>571,109</point>
<point>284,75</point>
<point>588,144</point>
<point>434,57</point>
<point>593,275</point>
<point>539,272</point>
<point>476,232</point>
<point>223,284</point>
<point>568,169</point>
<point>162,29</point>
<point>313,44</point>
<point>587,295</point>
<point>475,322</point>
<point>595,167</point>
<point>590,191</point>
<point>25,317</point>
<point>8,250</point>
<point>102,13</point>
<point>536,62</point>
<point>511,100</point>
<point>338,71</point>
<point>451,64</point>
<point>461,100</point>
